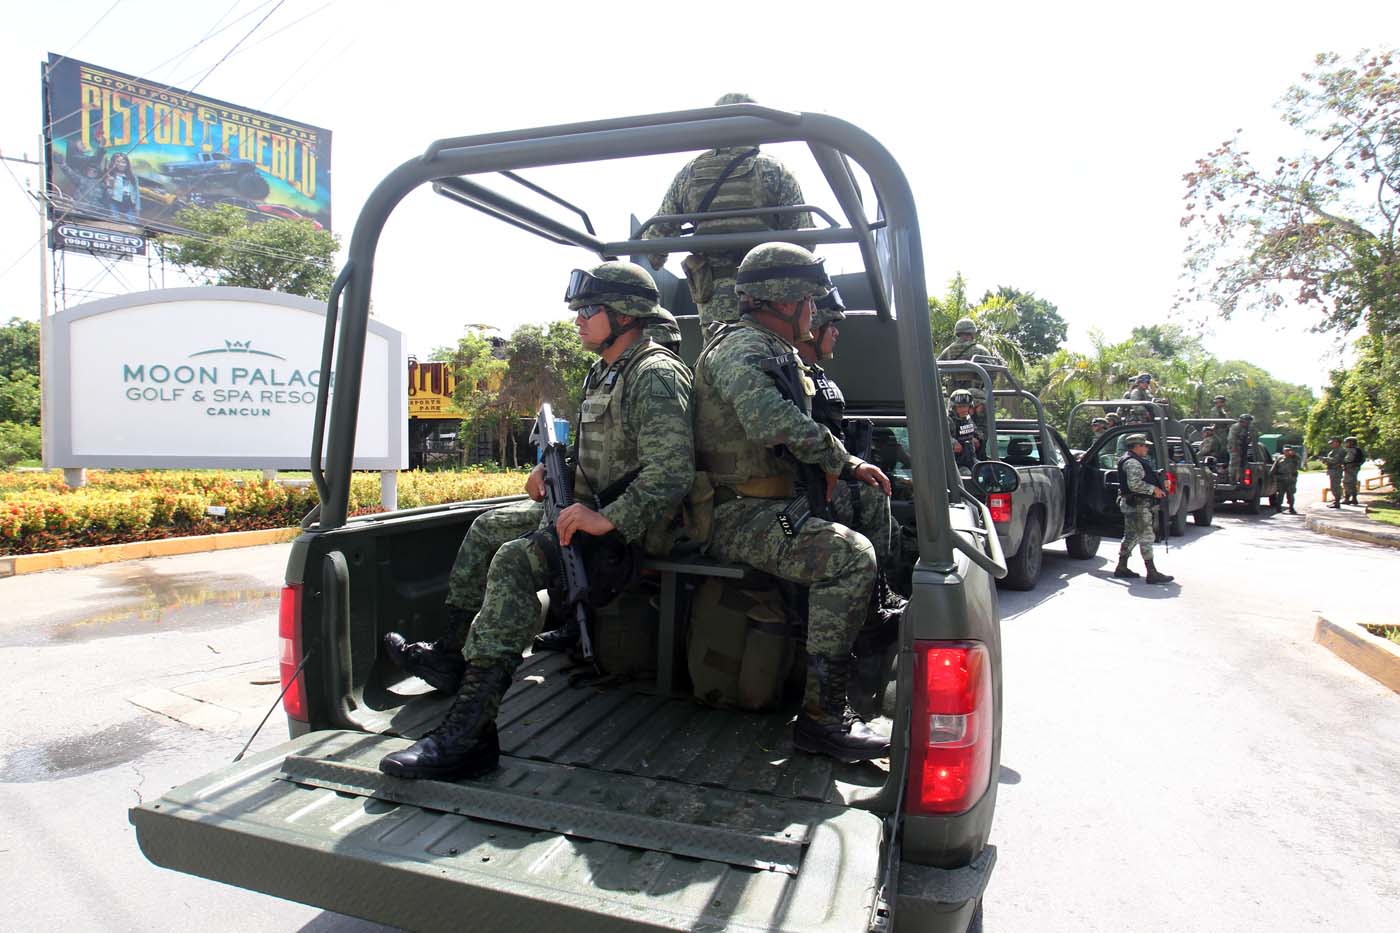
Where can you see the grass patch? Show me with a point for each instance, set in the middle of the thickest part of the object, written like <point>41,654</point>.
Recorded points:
<point>1389,632</point>
<point>1388,512</point>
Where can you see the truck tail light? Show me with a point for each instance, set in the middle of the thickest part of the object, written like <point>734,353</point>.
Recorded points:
<point>289,654</point>
<point>1248,476</point>
<point>1169,479</point>
<point>1000,505</point>
<point>950,755</point>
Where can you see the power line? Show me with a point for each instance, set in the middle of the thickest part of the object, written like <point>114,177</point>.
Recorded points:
<point>245,38</point>
<point>73,48</point>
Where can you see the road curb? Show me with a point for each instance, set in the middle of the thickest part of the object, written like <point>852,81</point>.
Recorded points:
<point>1376,657</point>
<point>1350,531</point>
<point>164,547</point>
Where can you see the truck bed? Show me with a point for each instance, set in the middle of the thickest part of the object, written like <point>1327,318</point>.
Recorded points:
<point>613,809</point>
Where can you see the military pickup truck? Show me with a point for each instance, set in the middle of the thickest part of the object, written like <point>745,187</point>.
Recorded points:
<point>1045,506</point>
<point>1190,484</point>
<point>1257,482</point>
<point>622,804</point>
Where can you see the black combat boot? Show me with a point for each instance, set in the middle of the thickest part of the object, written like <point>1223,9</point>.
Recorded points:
<point>868,655</point>
<point>438,663</point>
<point>826,725</point>
<point>1123,570</point>
<point>563,638</point>
<point>464,744</point>
<point>886,599</point>
<point>1154,577</point>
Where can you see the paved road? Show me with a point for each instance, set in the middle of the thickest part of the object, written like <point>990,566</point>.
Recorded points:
<point>1176,758</point>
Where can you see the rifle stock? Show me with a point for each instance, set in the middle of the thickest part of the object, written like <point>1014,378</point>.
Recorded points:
<point>559,495</point>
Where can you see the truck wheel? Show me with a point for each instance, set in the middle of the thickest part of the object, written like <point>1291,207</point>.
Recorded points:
<point>1206,513</point>
<point>1177,526</point>
<point>1251,506</point>
<point>1023,568</point>
<point>1082,546</point>
<point>252,186</point>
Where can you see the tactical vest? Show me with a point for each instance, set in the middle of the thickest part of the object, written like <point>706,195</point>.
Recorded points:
<point>603,453</point>
<point>1149,476</point>
<point>721,448</point>
<point>828,404</point>
<point>742,188</point>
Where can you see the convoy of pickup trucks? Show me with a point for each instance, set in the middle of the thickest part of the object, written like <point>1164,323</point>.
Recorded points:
<point>623,803</point>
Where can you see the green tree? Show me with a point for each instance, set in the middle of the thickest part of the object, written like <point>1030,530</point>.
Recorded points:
<point>996,321</point>
<point>19,347</point>
<point>1317,225</point>
<point>223,248</point>
<point>1040,330</point>
<point>479,370</point>
<point>19,397</point>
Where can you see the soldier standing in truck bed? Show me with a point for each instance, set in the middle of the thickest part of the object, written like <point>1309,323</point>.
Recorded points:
<point>726,179</point>
<point>1240,441</point>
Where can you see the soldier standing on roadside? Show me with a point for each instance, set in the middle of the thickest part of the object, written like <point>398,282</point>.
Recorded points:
<point>1286,475</point>
<point>1138,488</point>
<point>726,179</point>
<point>1335,458</point>
<point>1351,468</point>
<point>751,437</point>
<point>634,433</point>
<point>1240,440</point>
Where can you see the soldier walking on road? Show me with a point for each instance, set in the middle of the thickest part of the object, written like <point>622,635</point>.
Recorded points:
<point>635,462</point>
<point>1335,458</point>
<point>1351,468</point>
<point>1286,475</point>
<point>755,438</point>
<point>1139,488</point>
<point>1241,442</point>
<point>726,179</point>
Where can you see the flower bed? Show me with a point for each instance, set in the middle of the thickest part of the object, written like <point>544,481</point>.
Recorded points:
<point>39,513</point>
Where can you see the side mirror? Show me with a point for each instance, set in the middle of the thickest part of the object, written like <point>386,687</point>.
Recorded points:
<point>994,476</point>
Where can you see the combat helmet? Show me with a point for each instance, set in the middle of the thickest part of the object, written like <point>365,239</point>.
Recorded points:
<point>965,325</point>
<point>781,272</point>
<point>734,97</point>
<point>624,287</point>
<point>961,397</point>
<point>1102,421</point>
<point>1132,440</point>
<point>1143,377</point>
<point>1246,417</point>
<point>831,308</point>
<point>664,330</point>
<point>1349,439</point>
<point>1219,398</point>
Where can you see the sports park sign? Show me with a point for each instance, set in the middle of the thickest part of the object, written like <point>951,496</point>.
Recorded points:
<point>209,377</point>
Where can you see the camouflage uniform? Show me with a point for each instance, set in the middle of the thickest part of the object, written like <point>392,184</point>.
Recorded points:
<point>733,392</point>
<point>1335,458</point>
<point>756,181</point>
<point>1139,514</point>
<point>1351,469</point>
<point>1211,446</point>
<point>651,431</point>
<point>1133,415</point>
<point>1286,476</point>
<point>1240,440</point>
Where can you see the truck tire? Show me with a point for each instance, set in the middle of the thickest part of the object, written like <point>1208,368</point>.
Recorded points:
<point>1206,513</point>
<point>1023,567</point>
<point>1082,546</point>
<point>252,186</point>
<point>1251,506</point>
<point>1178,521</point>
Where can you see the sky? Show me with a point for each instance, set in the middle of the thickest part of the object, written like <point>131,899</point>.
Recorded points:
<point>1044,143</point>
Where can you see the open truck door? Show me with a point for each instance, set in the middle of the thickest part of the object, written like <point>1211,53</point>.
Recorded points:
<point>1098,468</point>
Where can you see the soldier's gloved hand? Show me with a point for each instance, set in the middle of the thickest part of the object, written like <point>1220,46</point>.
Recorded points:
<point>534,483</point>
<point>578,518</point>
<point>871,475</point>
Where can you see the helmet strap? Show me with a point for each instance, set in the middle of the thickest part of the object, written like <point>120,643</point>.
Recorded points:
<point>616,330</point>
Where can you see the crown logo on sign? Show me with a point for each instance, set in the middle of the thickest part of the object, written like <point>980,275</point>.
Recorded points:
<point>238,344</point>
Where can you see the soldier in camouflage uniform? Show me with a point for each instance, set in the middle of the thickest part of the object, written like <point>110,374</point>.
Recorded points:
<point>966,441</point>
<point>751,438</point>
<point>1240,442</point>
<point>963,347</point>
<point>633,445</point>
<point>1139,487</point>
<point>1141,391</point>
<point>1286,475</point>
<point>1219,403</point>
<point>1351,469</point>
<point>726,179</point>
<point>1335,459</point>
<point>1211,445</point>
<point>663,329</point>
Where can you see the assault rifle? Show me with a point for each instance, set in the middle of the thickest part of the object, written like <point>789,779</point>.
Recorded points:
<point>559,495</point>
<point>810,477</point>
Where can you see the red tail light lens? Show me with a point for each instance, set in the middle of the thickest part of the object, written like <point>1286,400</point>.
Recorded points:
<point>1248,476</point>
<point>1170,481</point>
<point>950,756</point>
<point>289,654</point>
<point>1000,505</point>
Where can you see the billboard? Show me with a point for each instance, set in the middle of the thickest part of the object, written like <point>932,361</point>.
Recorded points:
<point>210,377</point>
<point>126,149</point>
<point>430,387</point>
<point>100,241</point>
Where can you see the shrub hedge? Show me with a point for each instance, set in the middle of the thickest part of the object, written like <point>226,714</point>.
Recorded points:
<point>38,512</point>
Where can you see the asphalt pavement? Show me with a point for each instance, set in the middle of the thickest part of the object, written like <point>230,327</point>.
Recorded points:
<point>1181,757</point>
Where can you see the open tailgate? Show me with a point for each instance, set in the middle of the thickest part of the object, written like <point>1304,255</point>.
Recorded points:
<point>535,845</point>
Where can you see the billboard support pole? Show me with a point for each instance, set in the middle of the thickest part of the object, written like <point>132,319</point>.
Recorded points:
<point>45,442</point>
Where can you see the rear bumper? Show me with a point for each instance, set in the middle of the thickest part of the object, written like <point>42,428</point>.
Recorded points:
<point>933,900</point>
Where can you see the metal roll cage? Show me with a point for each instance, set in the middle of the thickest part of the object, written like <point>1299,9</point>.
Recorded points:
<point>893,262</point>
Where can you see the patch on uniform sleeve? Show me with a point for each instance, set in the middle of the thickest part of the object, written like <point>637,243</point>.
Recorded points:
<point>661,384</point>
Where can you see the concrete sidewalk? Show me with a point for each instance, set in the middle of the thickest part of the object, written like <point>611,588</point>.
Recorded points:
<point>1350,522</point>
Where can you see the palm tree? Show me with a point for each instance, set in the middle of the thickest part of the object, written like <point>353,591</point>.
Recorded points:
<point>996,319</point>
<point>1104,373</point>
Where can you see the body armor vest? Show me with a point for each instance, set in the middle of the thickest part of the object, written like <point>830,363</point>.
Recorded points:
<point>721,448</point>
<point>1149,476</point>
<point>604,454</point>
<point>741,189</point>
<point>828,404</point>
